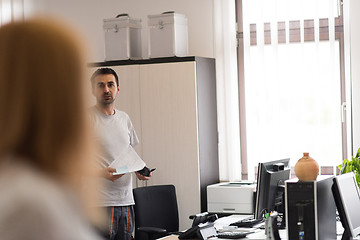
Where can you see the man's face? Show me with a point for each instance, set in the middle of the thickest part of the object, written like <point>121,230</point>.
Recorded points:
<point>105,89</point>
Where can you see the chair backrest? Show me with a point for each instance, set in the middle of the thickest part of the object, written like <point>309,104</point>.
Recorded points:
<point>156,206</point>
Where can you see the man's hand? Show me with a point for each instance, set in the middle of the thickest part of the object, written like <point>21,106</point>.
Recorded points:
<point>107,173</point>
<point>142,177</point>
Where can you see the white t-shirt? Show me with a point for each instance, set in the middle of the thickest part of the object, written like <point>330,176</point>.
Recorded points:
<point>34,207</point>
<point>114,134</point>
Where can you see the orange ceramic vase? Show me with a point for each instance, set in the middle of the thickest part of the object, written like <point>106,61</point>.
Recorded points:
<point>306,168</point>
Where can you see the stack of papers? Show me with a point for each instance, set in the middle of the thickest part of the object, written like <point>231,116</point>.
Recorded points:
<point>128,161</point>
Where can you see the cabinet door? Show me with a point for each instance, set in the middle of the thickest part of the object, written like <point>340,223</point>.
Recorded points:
<point>169,131</point>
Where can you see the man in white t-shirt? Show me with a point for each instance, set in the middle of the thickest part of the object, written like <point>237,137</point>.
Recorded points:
<point>115,134</point>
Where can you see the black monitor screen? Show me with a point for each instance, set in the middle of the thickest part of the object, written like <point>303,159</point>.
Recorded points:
<point>270,186</point>
<point>347,199</point>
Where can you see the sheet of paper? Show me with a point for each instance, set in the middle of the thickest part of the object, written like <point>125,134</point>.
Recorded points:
<point>127,161</point>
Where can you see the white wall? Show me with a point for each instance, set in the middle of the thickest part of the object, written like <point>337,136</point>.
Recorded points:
<point>355,70</point>
<point>88,17</point>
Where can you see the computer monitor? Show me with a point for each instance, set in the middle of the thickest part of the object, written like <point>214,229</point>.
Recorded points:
<point>271,186</point>
<point>347,199</point>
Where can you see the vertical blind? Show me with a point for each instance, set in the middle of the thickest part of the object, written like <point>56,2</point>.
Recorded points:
<point>226,90</point>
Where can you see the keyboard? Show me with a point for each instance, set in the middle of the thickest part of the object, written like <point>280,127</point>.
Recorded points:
<point>247,222</point>
<point>232,235</point>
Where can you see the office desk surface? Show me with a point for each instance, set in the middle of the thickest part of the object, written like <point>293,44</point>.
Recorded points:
<point>222,223</point>
<point>259,234</point>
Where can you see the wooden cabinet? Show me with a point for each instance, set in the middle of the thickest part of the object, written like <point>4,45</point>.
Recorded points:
<point>172,103</point>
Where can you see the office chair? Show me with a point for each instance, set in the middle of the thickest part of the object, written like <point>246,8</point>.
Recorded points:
<point>156,212</point>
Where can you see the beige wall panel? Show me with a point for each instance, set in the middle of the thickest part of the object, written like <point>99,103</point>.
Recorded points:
<point>169,128</point>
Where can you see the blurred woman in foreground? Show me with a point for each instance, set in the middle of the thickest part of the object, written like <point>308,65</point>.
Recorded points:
<point>44,140</point>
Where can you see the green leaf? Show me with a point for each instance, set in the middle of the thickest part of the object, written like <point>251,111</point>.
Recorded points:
<point>357,176</point>
<point>358,153</point>
<point>356,163</point>
<point>342,168</point>
<point>351,166</point>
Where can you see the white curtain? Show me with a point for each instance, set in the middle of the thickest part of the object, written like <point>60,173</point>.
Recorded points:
<point>227,90</point>
<point>292,89</point>
<point>11,10</point>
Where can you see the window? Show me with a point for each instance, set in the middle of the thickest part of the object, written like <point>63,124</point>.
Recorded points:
<point>11,10</point>
<point>291,82</point>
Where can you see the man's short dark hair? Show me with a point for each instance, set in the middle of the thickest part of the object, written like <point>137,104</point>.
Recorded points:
<point>104,71</point>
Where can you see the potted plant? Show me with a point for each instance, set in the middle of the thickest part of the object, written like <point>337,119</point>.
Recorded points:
<point>352,166</point>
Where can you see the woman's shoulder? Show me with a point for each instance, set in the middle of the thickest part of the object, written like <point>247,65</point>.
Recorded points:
<point>38,205</point>
<point>26,189</point>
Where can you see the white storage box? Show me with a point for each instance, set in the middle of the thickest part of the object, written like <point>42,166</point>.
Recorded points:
<point>168,35</point>
<point>122,38</point>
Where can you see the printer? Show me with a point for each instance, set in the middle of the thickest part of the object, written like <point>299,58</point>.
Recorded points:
<point>231,197</point>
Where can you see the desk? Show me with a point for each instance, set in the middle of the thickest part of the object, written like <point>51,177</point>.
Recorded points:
<point>259,233</point>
